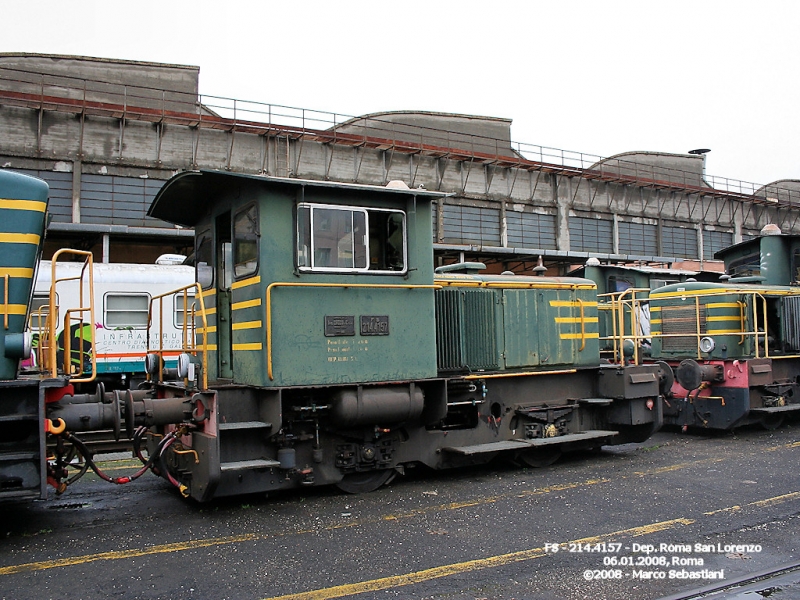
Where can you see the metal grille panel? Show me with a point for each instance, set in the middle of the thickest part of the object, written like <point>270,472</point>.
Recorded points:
<point>465,330</point>
<point>791,323</point>
<point>680,319</point>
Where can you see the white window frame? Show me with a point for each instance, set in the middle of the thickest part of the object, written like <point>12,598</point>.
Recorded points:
<point>108,295</point>
<point>352,209</point>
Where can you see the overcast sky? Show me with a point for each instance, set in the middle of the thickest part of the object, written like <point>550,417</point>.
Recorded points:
<point>598,77</point>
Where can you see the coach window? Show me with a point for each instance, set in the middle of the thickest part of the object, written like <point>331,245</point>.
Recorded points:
<point>126,310</point>
<point>245,242</point>
<point>350,239</point>
<point>40,308</point>
<point>204,252</point>
<point>179,309</point>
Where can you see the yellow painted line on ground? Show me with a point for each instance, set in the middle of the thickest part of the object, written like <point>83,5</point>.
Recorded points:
<point>784,446</point>
<point>492,499</point>
<point>120,554</point>
<point>677,467</point>
<point>468,566</point>
<point>208,542</point>
<point>758,503</point>
<point>775,500</point>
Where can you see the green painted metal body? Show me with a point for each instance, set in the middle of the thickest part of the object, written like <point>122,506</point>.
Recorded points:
<point>497,322</point>
<point>23,204</point>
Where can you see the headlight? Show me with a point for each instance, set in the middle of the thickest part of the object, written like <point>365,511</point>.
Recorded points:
<point>707,345</point>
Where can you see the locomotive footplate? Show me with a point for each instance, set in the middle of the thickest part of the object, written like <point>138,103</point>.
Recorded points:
<point>523,444</point>
<point>768,410</point>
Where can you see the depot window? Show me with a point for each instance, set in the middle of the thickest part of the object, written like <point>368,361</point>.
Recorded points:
<point>126,310</point>
<point>350,239</point>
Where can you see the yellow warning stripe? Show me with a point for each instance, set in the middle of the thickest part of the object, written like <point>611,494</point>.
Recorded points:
<point>570,303</point>
<point>246,282</point>
<point>256,346</point>
<point>576,320</point>
<point>579,336</point>
<point>246,304</point>
<point>21,272</point>
<point>246,325</point>
<point>20,238</point>
<point>34,205</point>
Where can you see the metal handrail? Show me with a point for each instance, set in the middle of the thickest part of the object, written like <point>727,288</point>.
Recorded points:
<point>188,332</point>
<point>48,340</point>
<point>618,306</point>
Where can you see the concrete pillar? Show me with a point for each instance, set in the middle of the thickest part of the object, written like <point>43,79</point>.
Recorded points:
<point>738,222</point>
<point>700,249</point>
<point>561,198</point>
<point>106,248</point>
<point>76,191</point>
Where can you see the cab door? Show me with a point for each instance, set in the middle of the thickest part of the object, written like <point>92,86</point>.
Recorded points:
<point>224,278</point>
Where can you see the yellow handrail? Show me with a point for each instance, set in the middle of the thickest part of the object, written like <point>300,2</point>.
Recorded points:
<point>188,333</point>
<point>618,305</point>
<point>81,310</point>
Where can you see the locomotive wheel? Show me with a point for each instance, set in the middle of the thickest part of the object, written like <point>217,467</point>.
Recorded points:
<point>368,481</point>
<point>537,458</point>
<point>771,422</point>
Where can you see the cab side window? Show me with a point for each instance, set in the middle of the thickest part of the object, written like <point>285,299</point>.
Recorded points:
<point>245,242</point>
<point>350,239</point>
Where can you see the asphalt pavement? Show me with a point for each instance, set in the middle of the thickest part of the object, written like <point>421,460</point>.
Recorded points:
<point>672,514</point>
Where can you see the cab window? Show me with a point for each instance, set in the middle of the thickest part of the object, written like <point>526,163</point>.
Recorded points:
<point>350,239</point>
<point>245,242</point>
<point>204,252</point>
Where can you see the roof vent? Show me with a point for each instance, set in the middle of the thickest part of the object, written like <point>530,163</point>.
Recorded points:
<point>170,259</point>
<point>396,184</point>
<point>771,229</point>
<point>593,262</point>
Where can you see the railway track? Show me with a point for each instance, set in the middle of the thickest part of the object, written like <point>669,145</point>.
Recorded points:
<point>766,583</point>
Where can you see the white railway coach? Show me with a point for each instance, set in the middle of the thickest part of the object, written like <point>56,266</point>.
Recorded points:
<point>122,298</point>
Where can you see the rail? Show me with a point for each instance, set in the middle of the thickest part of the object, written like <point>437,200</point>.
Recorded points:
<point>87,97</point>
<point>189,328</point>
<point>627,309</point>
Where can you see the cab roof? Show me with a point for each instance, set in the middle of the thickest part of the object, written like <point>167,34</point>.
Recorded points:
<point>186,198</point>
